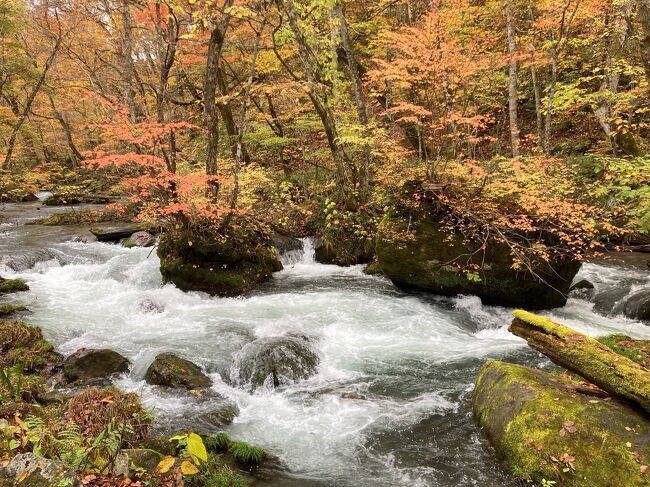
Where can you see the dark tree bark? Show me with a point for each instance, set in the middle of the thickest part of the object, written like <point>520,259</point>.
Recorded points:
<point>362,112</point>
<point>215,45</point>
<point>127,48</point>
<point>75,155</point>
<point>30,99</point>
<point>644,19</point>
<point>512,79</point>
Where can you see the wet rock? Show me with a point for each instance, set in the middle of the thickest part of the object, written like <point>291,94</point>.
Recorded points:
<point>425,263</point>
<point>149,306</point>
<point>128,461</point>
<point>220,413</point>
<point>29,470</point>
<point>170,370</point>
<point>637,305</point>
<point>55,396</point>
<point>543,424</point>
<point>273,361</point>
<point>87,364</point>
<point>23,262</point>
<point>284,244</point>
<point>582,284</point>
<point>344,253</point>
<point>88,238</point>
<point>69,198</point>
<point>140,239</point>
<point>373,269</point>
<point>115,234</point>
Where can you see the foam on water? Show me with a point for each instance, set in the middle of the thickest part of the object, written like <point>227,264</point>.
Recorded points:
<point>389,405</point>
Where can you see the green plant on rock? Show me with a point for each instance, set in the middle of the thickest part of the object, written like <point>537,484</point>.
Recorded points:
<point>9,309</point>
<point>246,455</point>
<point>12,286</point>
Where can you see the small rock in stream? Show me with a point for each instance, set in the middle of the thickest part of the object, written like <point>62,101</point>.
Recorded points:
<point>170,370</point>
<point>87,364</point>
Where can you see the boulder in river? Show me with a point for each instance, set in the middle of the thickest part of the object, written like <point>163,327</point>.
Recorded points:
<point>12,286</point>
<point>425,261</point>
<point>344,253</point>
<point>284,243</point>
<point>220,261</point>
<point>549,427</point>
<point>27,260</point>
<point>86,364</point>
<point>170,370</point>
<point>29,470</point>
<point>273,361</point>
<point>637,305</point>
<point>116,233</point>
<point>140,239</point>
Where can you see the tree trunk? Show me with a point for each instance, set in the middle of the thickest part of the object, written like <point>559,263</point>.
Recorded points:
<point>586,356</point>
<point>166,57</point>
<point>362,112</point>
<point>75,155</point>
<point>512,79</point>
<point>228,119</point>
<point>127,48</point>
<point>215,45</point>
<point>549,104</point>
<point>644,19</point>
<point>316,90</point>
<point>28,103</point>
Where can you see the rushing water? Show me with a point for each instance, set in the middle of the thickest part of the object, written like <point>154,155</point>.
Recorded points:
<point>390,403</point>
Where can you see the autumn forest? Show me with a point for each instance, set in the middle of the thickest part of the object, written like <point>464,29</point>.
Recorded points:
<point>291,235</point>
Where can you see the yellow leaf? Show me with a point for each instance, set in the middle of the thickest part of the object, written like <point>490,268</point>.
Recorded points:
<point>188,468</point>
<point>165,464</point>
<point>196,448</point>
<point>23,475</point>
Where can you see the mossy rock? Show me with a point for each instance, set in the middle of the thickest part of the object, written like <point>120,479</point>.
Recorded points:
<point>345,252</point>
<point>417,253</point>
<point>170,370</point>
<point>10,309</point>
<point>23,345</point>
<point>636,350</point>
<point>87,364</point>
<point>222,262</point>
<point>548,427</point>
<point>12,286</point>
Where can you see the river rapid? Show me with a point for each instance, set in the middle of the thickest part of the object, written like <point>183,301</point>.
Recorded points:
<point>390,404</point>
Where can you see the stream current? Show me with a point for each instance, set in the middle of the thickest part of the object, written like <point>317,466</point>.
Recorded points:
<point>390,405</point>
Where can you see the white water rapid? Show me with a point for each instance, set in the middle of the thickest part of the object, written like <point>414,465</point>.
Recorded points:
<point>390,403</point>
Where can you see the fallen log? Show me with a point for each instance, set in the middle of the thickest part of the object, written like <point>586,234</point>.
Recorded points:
<point>586,356</point>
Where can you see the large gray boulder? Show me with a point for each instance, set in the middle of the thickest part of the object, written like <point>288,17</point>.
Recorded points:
<point>273,361</point>
<point>87,364</point>
<point>637,305</point>
<point>170,370</point>
<point>29,470</point>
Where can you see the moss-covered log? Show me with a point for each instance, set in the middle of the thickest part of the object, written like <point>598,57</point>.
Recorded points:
<point>547,430</point>
<point>586,356</point>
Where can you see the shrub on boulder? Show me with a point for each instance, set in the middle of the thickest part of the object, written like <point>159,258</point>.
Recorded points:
<point>12,286</point>
<point>223,260</point>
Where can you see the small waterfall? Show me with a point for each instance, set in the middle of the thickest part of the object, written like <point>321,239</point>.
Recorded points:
<point>301,256</point>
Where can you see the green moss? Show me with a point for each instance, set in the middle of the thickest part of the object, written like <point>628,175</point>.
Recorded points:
<point>246,455</point>
<point>8,309</point>
<point>416,251</point>
<point>215,474</point>
<point>225,262</point>
<point>12,286</point>
<point>586,356</point>
<point>23,345</point>
<point>636,350</point>
<point>524,412</point>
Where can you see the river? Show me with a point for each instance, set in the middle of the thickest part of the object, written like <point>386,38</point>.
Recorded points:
<point>390,405</point>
